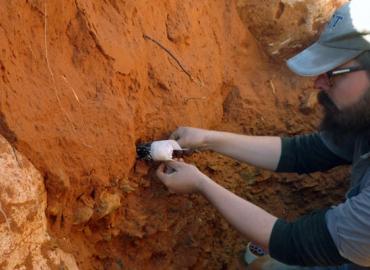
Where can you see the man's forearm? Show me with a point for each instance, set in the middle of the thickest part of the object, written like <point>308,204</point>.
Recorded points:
<point>253,222</point>
<point>260,151</point>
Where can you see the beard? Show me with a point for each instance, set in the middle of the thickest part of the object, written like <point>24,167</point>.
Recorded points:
<point>354,119</point>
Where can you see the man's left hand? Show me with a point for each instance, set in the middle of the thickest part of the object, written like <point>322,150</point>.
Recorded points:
<point>180,177</point>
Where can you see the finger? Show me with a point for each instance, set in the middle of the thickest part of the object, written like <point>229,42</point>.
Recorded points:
<point>169,170</point>
<point>160,172</point>
<point>174,164</point>
<point>175,145</point>
<point>181,141</point>
<point>161,167</point>
<point>175,135</point>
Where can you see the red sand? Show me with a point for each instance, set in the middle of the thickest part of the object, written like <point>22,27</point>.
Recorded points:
<point>80,86</point>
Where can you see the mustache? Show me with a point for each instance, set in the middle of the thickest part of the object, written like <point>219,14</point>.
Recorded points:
<point>350,120</point>
<point>324,100</point>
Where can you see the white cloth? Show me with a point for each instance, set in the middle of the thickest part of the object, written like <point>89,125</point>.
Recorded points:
<point>163,150</point>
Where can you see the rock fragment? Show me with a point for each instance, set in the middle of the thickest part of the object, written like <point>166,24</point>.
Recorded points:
<point>23,225</point>
<point>108,202</point>
<point>82,215</point>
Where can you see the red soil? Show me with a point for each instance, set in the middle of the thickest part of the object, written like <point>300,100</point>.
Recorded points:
<point>80,86</point>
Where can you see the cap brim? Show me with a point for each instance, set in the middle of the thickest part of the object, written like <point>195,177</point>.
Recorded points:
<point>318,59</point>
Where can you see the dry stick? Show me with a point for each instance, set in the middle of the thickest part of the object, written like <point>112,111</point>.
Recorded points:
<point>16,157</point>
<point>33,54</point>
<point>48,64</point>
<point>171,54</point>
<point>70,86</point>
<point>272,87</point>
<point>194,98</point>
<point>52,74</point>
<point>78,100</point>
<point>6,217</point>
<point>46,50</point>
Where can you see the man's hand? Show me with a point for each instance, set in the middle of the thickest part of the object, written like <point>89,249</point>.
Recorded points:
<point>189,137</point>
<point>253,222</point>
<point>260,151</point>
<point>181,178</point>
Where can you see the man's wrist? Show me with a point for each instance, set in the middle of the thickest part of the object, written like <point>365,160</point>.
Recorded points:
<point>211,139</point>
<point>203,184</point>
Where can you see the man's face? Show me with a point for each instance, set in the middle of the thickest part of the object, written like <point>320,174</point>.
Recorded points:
<point>346,100</point>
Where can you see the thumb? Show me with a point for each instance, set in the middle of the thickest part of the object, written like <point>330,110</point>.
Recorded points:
<point>178,136</point>
<point>181,141</point>
<point>160,172</point>
<point>175,135</point>
<point>175,145</point>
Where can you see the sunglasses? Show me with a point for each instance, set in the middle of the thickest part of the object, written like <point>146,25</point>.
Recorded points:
<point>341,71</point>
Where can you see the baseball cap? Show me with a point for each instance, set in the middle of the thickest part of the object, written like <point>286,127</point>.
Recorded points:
<point>345,37</point>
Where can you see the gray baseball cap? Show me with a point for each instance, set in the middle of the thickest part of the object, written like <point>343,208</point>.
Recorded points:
<point>346,36</point>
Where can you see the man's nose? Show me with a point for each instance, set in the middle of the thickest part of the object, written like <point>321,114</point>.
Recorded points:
<point>322,82</point>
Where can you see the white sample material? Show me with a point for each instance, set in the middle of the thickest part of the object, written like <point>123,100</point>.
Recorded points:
<point>163,150</point>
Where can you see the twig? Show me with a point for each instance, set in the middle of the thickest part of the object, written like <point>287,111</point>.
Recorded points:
<point>16,157</point>
<point>194,98</point>
<point>272,87</point>
<point>46,46</point>
<point>48,65</point>
<point>6,217</point>
<point>33,54</point>
<point>171,54</point>
<point>73,90</point>
<point>52,74</point>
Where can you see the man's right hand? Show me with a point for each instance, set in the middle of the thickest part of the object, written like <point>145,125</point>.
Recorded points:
<point>193,138</point>
<point>260,151</point>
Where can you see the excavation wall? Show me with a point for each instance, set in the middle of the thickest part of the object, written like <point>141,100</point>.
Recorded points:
<point>82,82</point>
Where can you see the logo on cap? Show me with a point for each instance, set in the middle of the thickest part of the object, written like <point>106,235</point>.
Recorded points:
<point>336,19</point>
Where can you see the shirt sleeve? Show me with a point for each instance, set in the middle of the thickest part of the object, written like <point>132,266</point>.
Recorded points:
<point>305,242</point>
<point>311,153</point>
<point>349,226</point>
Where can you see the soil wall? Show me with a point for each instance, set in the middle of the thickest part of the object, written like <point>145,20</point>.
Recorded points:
<point>82,82</point>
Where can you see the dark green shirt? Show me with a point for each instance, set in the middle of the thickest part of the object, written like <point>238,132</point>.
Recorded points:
<point>332,236</point>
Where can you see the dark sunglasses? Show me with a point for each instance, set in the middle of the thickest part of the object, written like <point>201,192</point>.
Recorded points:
<point>341,71</point>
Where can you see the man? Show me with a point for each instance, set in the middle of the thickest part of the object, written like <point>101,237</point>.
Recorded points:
<point>335,238</point>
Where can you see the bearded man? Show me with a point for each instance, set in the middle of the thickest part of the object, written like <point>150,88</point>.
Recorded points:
<point>333,238</point>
